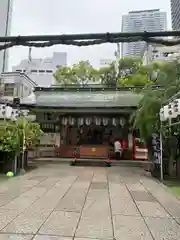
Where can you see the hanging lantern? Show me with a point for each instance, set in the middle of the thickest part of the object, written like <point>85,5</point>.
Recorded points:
<point>173,110</point>
<point>114,121</point>
<point>2,110</point>
<point>88,121</point>
<point>105,121</point>
<point>98,121</point>
<point>122,121</point>
<point>64,121</point>
<point>71,121</point>
<point>164,113</point>
<point>80,121</point>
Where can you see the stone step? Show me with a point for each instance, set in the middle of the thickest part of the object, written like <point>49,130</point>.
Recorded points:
<point>86,162</point>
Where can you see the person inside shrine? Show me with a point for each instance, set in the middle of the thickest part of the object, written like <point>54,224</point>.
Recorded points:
<point>118,149</point>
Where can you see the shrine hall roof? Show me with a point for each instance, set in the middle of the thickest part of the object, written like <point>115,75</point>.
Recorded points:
<point>73,99</point>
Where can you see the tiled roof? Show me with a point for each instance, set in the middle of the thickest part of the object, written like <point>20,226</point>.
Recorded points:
<point>84,99</point>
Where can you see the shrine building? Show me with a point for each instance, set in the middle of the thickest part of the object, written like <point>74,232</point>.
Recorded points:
<point>85,121</point>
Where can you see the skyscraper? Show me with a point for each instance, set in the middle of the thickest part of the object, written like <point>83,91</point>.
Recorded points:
<point>139,21</point>
<point>175,14</point>
<point>5,28</point>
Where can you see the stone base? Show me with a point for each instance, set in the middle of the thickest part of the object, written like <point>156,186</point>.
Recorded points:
<point>147,174</point>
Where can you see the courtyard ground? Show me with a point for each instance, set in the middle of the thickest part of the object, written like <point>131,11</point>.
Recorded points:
<point>59,202</point>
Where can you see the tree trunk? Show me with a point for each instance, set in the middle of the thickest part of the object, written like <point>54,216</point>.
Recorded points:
<point>170,165</point>
<point>25,159</point>
<point>178,168</point>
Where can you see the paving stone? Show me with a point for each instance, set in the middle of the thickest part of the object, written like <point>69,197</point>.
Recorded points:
<point>74,199</point>
<point>60,223</point>
<point>51,198</point>
<point>6,216</point>
<point>163,228</point>
<point>90,239</point>
<point>99,185</point>
<point>28,183</point>
<point>98,177</point>
<point>121,201</point>
<point>96,226</point>
<point>34,192</point>
<point>15,237</point>
<point>28,222</point>
<point>45,237</point>
<point>48,183</point>
<point>73,202</point>
<point>119,192</point>
<point>86,176</point>
<point>5,199</point>
<point>38,178</point>
<point>135,187</point>
<point>113,178</point>
<point>142,196</point>
<point>169,202</point>
<point>19,204</point>
<point>93,208</point>
<point>178,220</point>
<point>97,203</point>
<point>152,209</point>
<point>130,228</point>
<point>124,208</point>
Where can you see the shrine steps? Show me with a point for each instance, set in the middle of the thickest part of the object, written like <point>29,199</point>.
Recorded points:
<point>91,162</point>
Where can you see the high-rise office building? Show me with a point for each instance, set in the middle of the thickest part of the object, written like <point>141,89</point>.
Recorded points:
<point>175,14</point>
<point>139,21</point>
<point>5,29</point>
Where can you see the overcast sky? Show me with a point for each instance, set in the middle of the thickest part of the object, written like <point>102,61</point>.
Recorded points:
<point>74,16</point>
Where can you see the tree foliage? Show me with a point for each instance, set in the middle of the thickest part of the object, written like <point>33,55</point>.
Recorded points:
<point>11,135</point>
<point>128,71</point>
<point>146,118</point>
<point>31,131</point>
<point>80,73</point>
<point>9,138</point>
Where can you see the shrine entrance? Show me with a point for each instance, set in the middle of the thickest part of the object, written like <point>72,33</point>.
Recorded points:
<point>91,136</point>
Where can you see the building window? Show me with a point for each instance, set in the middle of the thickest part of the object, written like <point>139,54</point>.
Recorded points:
<point>48,127</point>
<point>41,71</point>
<point>49,71</point>
<point>9,89</point>
<point>34,71</point>
<point>48,116</point>
<point>18,70</point>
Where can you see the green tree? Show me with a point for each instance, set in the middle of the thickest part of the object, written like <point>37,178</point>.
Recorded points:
<point>11,135</point>
<point>129,66</point>
<point>108,74</point>
<point>146,117</point>
<point>9,138</point>
<point>132,72</point>
<point>81,73</point>
<point>31,132</point>
<point>135,80</point>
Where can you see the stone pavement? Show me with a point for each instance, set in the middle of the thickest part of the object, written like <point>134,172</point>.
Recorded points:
<point>59,202</point>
